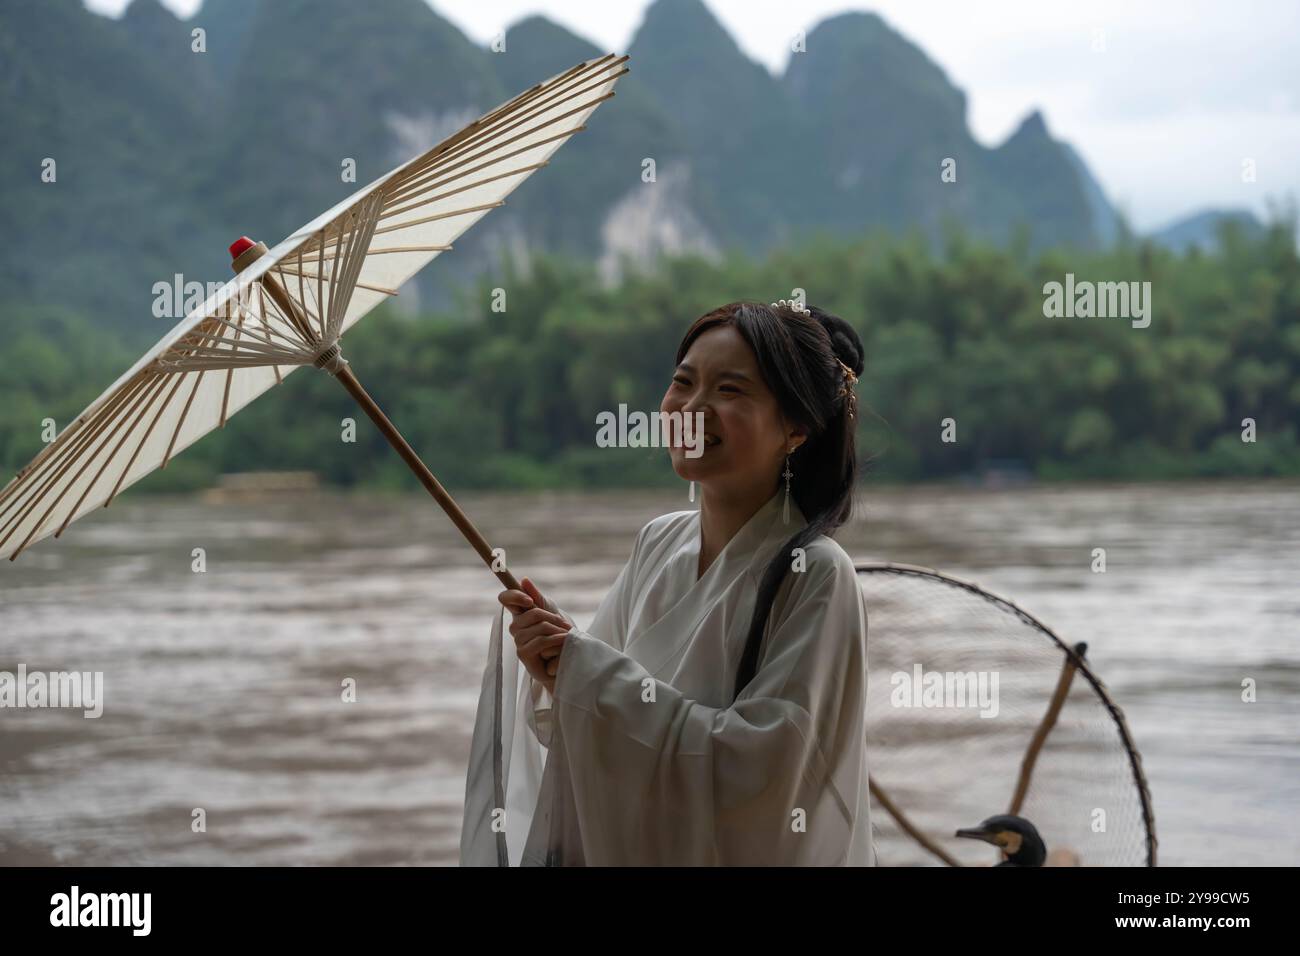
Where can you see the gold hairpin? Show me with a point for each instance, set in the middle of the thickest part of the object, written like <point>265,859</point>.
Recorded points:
<point>847,390</point>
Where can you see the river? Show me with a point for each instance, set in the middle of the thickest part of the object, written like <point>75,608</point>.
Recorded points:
<point>224,689</point>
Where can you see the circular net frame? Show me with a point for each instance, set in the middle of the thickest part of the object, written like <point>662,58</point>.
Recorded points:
<point>940,768</point>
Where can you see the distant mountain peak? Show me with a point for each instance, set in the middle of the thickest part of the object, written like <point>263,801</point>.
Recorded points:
<point>863,50</point>
<point>862,22</point>
<point>851,137</point>
<point>535,25</point>
<point>669,21</point>
<point>1033,126</point>
<point>1205,228</point>
<point>536,49</point>
<point>543,37</point>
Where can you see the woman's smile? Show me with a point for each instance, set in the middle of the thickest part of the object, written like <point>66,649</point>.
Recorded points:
<point>743,442</point>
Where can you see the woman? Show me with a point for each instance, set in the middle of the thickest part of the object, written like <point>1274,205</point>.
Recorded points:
<point>712,714</point>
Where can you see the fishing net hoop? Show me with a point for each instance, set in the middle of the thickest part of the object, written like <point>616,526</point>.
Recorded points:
<point>1075,657</point>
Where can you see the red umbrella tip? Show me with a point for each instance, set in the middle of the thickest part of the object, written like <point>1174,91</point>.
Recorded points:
<point>240,246</point>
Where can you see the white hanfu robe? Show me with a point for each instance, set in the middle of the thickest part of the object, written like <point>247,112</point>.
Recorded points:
<point>642,758</point>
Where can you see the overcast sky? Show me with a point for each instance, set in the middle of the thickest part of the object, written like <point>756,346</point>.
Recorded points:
<point>1164,114</point>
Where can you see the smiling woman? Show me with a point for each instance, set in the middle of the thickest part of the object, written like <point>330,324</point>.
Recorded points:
<point>713,712</point>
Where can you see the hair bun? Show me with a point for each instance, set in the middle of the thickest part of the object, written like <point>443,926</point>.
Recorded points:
<point>844,339</point>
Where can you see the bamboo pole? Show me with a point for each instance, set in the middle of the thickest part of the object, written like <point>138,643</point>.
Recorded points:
<point>907,825</point>
<point>1045,727</point>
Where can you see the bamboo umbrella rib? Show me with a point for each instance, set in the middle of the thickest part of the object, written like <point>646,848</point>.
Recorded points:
<point>491,127</point>
<point>334,271</point>
<point>305,340</point>
<point>522,114</point>
<point>483,126</point>
<point>381,252</point>
<point>266,325</point>
<point>260,357</point>
<point>366,234</point>
<point>79,446</point>
<point>147,382</point>
<point>17,480</point>
<point>222,345</point>
<point>359,285</point>
<point>176,384</point>
<point>230,373</point>
<point>415,187</point>
<point>320,274</point>
<point>363,236</point>
<point>228,360</point>
<point>310,314</point>
<point>293,344</point>
<point>296,332</point>
<point>504,123</point>
<point>198,380</point>
<point>430,181</point>
<point>391,199</point>
<point>269,352</point>
<point>442,215</point>
<point>65,446</point>
<point>308,293</point>
<point>68,440</point>
<point>285,343</point>
<point>345,256</point>
<point>258,353</point>
<point>4,492</point>
<point>353,258</point>
<point>461,189</point>
<point>302,296</point>
<point>152,391</point>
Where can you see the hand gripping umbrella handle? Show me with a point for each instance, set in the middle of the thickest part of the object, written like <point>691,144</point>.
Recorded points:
<point>245,253</point>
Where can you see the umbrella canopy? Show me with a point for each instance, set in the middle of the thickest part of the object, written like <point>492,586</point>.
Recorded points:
<point>288,307</point>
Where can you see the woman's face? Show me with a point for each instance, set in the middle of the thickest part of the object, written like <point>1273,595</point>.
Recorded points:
<point>745,441</point>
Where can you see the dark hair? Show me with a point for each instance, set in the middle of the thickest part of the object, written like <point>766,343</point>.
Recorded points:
<point>799,357</point>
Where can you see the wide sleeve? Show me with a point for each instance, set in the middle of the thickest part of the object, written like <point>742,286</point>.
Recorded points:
<point>609,625</point>
<point>774,778</point>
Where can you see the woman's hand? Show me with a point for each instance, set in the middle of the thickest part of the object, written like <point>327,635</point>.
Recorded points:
<point>539,634</point>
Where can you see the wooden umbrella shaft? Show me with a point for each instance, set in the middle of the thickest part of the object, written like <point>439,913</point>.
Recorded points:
<point>341,371</point>
<point>458,517</point>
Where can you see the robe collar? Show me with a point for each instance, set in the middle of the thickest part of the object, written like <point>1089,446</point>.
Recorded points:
<point>747,553</point>
<point>763,530</point>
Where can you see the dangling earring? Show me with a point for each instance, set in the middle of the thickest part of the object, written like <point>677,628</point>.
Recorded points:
<point>692,491</point>
<point>787,475</point>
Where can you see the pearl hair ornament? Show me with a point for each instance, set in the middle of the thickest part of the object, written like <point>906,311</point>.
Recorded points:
<point>850,379</point>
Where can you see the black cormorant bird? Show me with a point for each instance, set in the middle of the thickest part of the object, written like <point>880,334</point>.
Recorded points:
<point>1014,836</point>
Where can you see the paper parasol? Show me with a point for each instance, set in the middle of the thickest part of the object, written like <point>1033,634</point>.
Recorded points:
<point>290,305</point>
